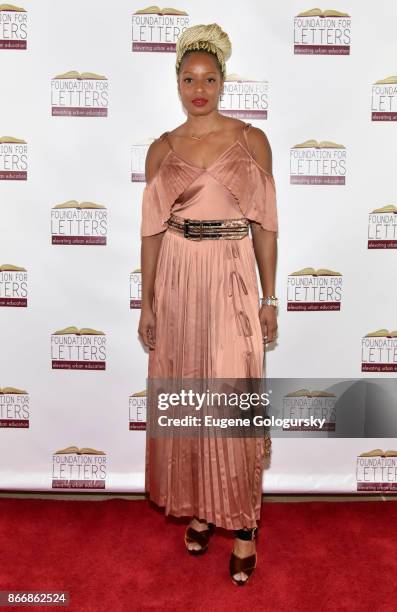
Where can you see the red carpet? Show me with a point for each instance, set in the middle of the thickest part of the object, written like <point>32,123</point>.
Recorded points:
<point>120,555</point>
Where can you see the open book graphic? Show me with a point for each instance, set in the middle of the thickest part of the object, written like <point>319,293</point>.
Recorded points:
<point>317,12</point>
<point>160,11</point>
<point>139,394</point>
<point>382,333</point>
<point>11,268</point>
<point>12,390</point>
<point>388,208</point>
<point>313,272</point>
<point>79,332</point>
<point>75,74</point>
<point>84,450</point>
<point>233,76</point>
<point>12,8</point>
<point>11,139</point>
<point>76,204</point>
<point>315,144</point>
<point>390,79</point>
<point>378,452</point>
<point>307,393</point>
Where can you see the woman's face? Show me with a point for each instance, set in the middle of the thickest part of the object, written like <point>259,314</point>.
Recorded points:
<point>199,83</point>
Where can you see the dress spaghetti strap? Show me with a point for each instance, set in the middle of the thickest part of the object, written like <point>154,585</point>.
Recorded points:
<point>164,136</point>
<point>246,127</point>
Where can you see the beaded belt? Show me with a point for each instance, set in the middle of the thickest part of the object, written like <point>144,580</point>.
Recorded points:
<point>195,229</point>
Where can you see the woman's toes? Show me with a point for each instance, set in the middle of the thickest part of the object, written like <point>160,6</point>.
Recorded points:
<point>240,576</point>
<point>198,525</point>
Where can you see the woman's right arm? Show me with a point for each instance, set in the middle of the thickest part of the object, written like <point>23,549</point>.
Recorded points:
<point>150,246</point>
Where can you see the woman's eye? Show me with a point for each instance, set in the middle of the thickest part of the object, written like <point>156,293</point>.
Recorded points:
<point>189,79</point>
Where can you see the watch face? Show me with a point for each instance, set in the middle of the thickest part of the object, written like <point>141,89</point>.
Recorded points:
<point>269,301</point>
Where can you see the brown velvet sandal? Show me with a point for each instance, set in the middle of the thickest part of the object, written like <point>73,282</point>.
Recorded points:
<point>198,537</point>
<point>246,564</point>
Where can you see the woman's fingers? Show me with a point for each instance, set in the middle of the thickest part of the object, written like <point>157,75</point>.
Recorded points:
<point>151,336</point>
<point>268,326</point>
<point>264,331</point>
<point>147,334</point>
<point>271,333</point>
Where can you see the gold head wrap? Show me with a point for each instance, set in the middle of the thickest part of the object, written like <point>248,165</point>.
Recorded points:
<point>207,38</point>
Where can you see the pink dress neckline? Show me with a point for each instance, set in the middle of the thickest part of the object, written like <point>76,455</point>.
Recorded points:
<point>220,158</point>
<point>213,163</point>
<point>233,177</point>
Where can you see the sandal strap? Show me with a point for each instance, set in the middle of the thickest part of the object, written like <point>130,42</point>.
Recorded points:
<point>246,534</point>
<point>246,565</point>
<point>201,537</point>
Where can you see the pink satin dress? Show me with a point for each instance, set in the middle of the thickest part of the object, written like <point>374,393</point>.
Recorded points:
<point>206,301</point>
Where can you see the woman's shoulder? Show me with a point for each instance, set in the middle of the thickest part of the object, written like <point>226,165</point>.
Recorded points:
<point>259,147</point>
<point>155,156</point>
<point>256,136</point>
<point>256,142</point>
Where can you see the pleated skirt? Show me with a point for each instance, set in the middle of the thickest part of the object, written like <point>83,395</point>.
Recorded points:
<point>206,301</point>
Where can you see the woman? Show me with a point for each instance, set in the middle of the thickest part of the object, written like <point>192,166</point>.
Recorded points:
<point>200,300</point>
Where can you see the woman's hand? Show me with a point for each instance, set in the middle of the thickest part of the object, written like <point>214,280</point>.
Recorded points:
<point>147,328</point>
<point>268,319</point>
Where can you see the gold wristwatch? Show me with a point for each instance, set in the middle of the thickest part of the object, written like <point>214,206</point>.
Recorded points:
<point>270,300</point>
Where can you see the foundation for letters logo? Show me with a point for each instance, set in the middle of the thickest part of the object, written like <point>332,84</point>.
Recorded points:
<point>318,32</point>
<point>78,349</point>
<point>384,99</point>
<point>382,228</point>
<point>79,94</point>
<point>318,163</point>
<point>13,159</point>
<point>244,98</point>
<point>379,351</point>
<point>137,411</point>
<point>376,470</point>
<point>310,289</point>
<point>136,288</point>
<point>138,159</point>
<point>157,29</point>
<point>79,468</point>
<point>14,408</point>
<point>13,27</point>
<point>13,286</point>
<point>83,223</point>
<point>306,405</point>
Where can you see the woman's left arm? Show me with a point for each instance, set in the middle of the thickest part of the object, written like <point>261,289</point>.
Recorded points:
<point>264,241</point>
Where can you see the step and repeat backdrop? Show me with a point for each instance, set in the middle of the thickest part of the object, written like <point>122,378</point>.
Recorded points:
<point>85,88</point>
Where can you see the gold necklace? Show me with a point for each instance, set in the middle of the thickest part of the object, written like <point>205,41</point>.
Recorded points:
<point>201,137</point>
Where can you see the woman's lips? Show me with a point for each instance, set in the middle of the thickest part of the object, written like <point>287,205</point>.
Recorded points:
<point>199,101</point>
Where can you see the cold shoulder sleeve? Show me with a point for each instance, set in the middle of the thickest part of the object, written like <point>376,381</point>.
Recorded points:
<point>160,194</point>
<point>154,214</point>
<point>253,188</point>
<point>258,200</point>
